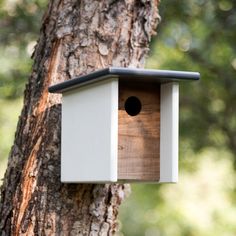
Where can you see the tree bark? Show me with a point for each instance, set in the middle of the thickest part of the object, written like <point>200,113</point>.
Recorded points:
<point>77,37</point>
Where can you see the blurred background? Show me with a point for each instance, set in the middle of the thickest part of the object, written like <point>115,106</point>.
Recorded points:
<point>194,35</point>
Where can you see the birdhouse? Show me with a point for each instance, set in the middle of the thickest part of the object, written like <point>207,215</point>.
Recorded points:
<point>121,124</point>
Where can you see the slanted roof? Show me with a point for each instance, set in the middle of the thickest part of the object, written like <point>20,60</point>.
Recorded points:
<point>127,74</point>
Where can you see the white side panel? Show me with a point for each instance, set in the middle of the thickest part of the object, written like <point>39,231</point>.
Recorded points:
<point>90,133</point>
<point>169,132</point>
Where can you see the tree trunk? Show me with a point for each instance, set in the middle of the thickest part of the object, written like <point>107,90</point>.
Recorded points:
<point>76,37</point>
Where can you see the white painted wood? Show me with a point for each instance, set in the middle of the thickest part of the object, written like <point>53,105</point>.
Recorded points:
<point>90,133</point>
<point>169,132</point>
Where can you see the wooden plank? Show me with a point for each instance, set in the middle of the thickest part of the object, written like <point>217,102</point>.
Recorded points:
<point>139,136</point>
<point>89,133</point>
<point>169,129</point>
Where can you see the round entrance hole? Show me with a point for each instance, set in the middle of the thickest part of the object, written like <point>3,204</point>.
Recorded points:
<point>133,106</point>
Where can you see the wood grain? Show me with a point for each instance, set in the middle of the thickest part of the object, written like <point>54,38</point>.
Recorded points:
<point>139,136</point>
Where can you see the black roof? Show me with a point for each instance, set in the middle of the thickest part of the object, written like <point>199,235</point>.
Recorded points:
<point>129,74</point>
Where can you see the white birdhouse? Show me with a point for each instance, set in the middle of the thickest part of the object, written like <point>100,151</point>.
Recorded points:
<point>121,124</point>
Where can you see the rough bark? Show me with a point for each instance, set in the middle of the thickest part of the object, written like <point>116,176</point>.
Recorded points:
<point>76,37</point>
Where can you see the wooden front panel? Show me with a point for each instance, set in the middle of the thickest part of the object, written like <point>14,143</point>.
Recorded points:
<point>139,135</point>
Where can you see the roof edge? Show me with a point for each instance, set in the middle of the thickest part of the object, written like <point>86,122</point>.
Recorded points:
<point>158,76</point>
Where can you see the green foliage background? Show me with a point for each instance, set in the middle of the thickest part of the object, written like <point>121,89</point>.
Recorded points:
<point>19,30</point>
<point>194,35</point>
